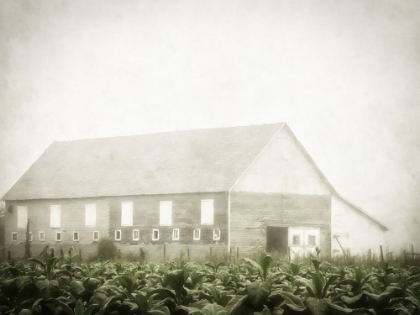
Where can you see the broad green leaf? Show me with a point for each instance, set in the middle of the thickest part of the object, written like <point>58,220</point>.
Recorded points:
<point>161,310</point>
<point>76,288</point>
<point>258,294</point>
<point>265,266</point>
<point>91,284</point>
<point>213,309</point>
<point>317,306</point>
<point>237,306</point>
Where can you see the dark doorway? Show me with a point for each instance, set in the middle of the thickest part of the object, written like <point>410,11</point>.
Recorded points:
<point>277,239</point>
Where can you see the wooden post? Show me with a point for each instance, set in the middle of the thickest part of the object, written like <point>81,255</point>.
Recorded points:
<point>80,254</point>
<point>237,253</point>
<point>369,256</point>
<point>211,252</point>
<point>61,253</point>
<point>164,252</point>
<point>412,252</point>
<point>382,253</point>
<point>230,254</point>
<point>405,257</point>
<point>188,253</point>
<point>9,255</point>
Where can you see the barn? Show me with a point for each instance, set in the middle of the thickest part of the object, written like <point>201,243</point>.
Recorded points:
<point>246,188</point>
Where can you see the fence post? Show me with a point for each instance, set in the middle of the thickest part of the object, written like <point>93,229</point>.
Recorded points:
<point>237,253</point>
<point>382,254</point>
<point>369,256</point>
<point>164,252</point>
<point>405,258</point>
<point>188,253</point>
<point>80,254</point>
<point>230,254</point>
<point>211,252</point>
<point>9,255</point>
<point>412,252</point>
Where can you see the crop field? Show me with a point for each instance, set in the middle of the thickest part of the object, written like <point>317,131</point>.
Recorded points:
<point>52,285</point>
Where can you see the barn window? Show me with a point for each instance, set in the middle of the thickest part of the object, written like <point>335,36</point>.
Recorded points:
<point>14,236</point>
<point>22,217</point>
<point>55,216</point>
<point>311,240</point>
<point>155,235</point>
<point>127,214</point>
<point>136,235</point>
<point>95,235</point>
<point>118,235</point>
<point>196,234</point>
<point>31,237</point>
<point>207,212</point>
<point>58,236</point>
<point>75,236</point>
<point>216,234</point>
<point>175,234</point>
<point>41,236</point>
<point>90,214</point>
<point>296,240</point>
<point>165,213</point>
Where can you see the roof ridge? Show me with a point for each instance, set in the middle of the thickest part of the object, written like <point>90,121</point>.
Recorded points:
<point>168,132</point>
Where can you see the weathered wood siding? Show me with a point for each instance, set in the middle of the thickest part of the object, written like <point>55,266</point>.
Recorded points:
<point>251,213</point>
<point>186,216</point>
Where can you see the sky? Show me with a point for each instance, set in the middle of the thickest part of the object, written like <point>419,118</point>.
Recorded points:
<point>344,75</point>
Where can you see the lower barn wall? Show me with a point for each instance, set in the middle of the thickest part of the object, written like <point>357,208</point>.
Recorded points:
<point>186,216</point>
<point>251,213</point>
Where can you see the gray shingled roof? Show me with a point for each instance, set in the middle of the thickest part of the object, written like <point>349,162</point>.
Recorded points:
<point>208,160</point>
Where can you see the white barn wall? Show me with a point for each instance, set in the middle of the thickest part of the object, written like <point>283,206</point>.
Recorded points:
<point>282,168</point>
<point>356,232</point>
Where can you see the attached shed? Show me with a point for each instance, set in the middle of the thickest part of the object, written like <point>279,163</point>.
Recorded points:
<point>253,187</point>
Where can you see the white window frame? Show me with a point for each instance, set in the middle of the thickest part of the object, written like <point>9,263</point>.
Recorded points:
<point>165,213</point>
<point>22,217</point>
<point>14,237</point>
<point>207,212</point>
<point>195,237</point>
<point>90,214</point>
<point>55,222</point>
<point>153,235</point>
<point>41,233</point>
<point>78,236</point>
<point>31,237</point>
<point>175,234</point>
<point>216,234</point>
<point>115,234</point>
<point>93,236</point>
<point>138,235</point>
<point>127,213</point>
<point>61,236</point>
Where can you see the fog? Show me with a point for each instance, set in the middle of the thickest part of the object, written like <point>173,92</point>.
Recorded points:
<point>343,74</point>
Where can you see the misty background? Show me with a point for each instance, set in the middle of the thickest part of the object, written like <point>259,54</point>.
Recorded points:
<point>343,74</point>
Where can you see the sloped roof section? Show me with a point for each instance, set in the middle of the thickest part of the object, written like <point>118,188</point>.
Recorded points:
<point>206,160</point>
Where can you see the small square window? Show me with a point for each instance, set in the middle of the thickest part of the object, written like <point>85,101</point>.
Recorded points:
<point>196,234</point>
<point>165,213</point>
<point>155,235</point>
<point>207,212</point>
<point>118,235</point>
<point>216,234</point>
<point>14,236</point>
<point>136,235</point>
<point>95,236</point>
<point>75,236</point>
<point>311,240</point>
<point>41,236</point>
<point>58,236</point>
<point>175,234</point>
<point>296,240</point>
<point>31,237</point>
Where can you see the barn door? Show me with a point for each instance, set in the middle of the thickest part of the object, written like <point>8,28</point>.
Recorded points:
<point>277,239</point>
<point>303,241</point>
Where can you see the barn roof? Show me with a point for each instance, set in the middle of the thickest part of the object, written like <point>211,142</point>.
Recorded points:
<point>206,160</point>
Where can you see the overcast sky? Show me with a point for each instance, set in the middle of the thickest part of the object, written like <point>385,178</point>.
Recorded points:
<point>343,74</point>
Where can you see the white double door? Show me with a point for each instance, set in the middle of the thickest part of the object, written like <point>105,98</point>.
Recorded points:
<point>303,241</point>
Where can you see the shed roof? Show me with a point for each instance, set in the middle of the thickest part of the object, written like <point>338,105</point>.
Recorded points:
<point>206,160</point>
